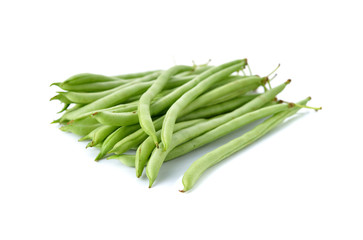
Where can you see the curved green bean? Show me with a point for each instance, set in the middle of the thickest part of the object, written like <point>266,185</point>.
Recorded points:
<point>217,155</point>
<point>115,137</point>
<point>144,150</point>
<point>100,134</point>
<point>145,100</point>
<point>128,160</point>
<point>81,127</point>
<point>174,111</point>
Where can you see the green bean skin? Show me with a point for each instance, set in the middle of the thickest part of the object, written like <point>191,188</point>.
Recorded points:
<point>234,94</point>
<point>101,133</point>
<point>131,76</point>
<point>158,156</point>
<point>61,98</point>
<point>144,150</point>
<point>174,111</point>
<point>145,100</point>
<point>128,160</point>
<point>219,108</point>
<point>226,92</point>
<point>95,83</point>
<point>166,101</point>
<point>83,78</point>
<point>134,139</point>
<point>242,85</point>
<point>225,128</point>
<point>116,119</point>
<point>110,100</point>
<point>208,160</point>
<point>115,137</point>
<point>81,127</point>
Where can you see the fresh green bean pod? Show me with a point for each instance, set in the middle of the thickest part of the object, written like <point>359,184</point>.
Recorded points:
<point>242,85</point>
<point>105,85</point>
<point>219,108</point>
<point>174,111</point>
<point>132,76</point>
<point>144,150</point>
<point>145,100</point>
<point>210,159</point>
<point>81,127</point>
<point>83,78</point>
<point>115,137</point>
<point>128,160</point>
<point>110,100</point>
<point>225,129</point>
<point>100,134</point>
<point>158,156</point>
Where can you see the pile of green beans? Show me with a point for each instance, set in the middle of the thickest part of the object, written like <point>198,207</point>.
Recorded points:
<point>145,119</point>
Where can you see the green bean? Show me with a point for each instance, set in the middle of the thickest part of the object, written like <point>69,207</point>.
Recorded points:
<point>110,100</point>
<point>128,160</point>
<point>173,112</point>
<point>225,128</point>
<point>105,85</point>
<point>242,86</point>
<point>158,156</point>
<point>217,155</point>
<point>233,94</point>
<point>145,100</point>
<point>133,139</point>
<point>219,108</point>
<point>81,127</point>
<point>83,78</point>
<point>100,134</point>
<point>61,98</point>
<point>65,107</point>
<point>132,76</point>
<point>144,150</point>
<point>115,137</point>
<point>124,107</point>
<point>196,71</point>
<point>115,119</point>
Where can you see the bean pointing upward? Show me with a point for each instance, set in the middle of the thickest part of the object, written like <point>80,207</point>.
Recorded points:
<point>187,98</point>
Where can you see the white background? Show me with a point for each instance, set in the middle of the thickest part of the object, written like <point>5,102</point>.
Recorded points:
<point>302,181</point>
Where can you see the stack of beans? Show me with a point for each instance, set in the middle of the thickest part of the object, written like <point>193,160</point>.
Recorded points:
<point>157,116</point>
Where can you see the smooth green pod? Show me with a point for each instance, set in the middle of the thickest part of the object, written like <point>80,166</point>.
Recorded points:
<point>210,159</point>
<point>145,99</point>
<point>144,150</point>
<point>174,111</point>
